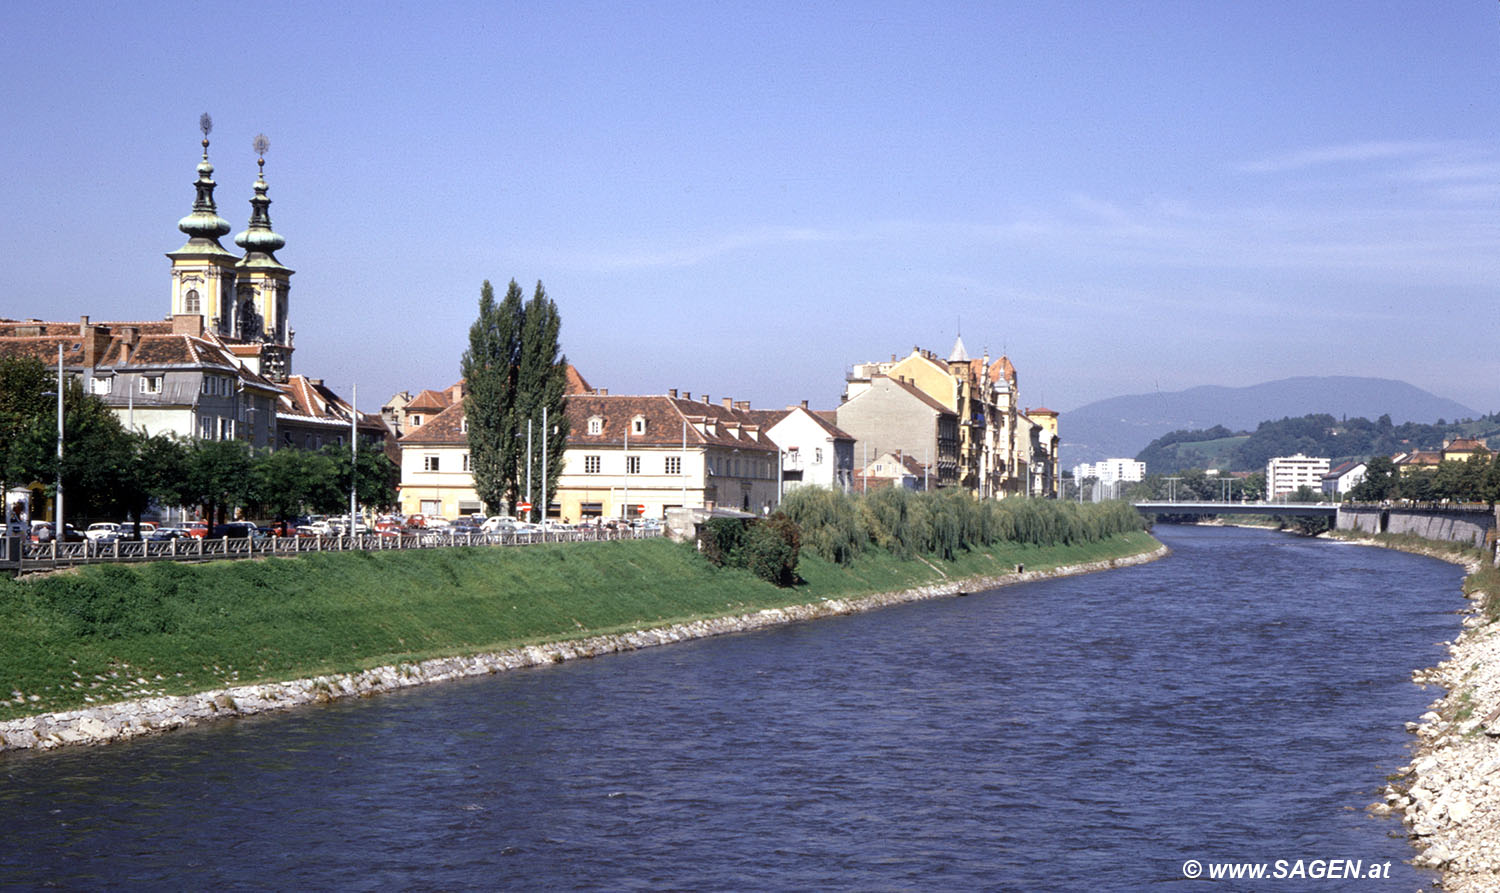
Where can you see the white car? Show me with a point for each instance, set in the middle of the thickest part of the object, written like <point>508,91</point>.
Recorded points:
<point>498,524</point>
<point>102,532</point>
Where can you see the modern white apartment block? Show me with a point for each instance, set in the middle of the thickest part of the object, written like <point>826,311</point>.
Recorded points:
<point>1111,471</point>
<point>1284,474</point>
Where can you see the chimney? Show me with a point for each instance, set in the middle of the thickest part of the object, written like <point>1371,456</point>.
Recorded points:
<point>602,392</point>
<point>95,342</point>
<point>728,403</point>
<point>130,336</point>
<point>687,395</point>
<point>83,325</point>
<point>706,398</point>
<point>804,404</point>
<point>672,392</point>
<point>742,406</point>
<point>187,324</point>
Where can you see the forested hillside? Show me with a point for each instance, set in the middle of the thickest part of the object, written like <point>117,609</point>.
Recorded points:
<point>1311,435</point>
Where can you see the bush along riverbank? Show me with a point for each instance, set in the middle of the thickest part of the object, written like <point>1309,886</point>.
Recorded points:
<point>1449,794</point>
<point>177,642</point>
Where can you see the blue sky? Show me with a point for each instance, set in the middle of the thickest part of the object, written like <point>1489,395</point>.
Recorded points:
<point>745,199</point>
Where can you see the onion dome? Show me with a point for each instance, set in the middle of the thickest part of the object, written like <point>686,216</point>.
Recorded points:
<point>259,238</point>
<point>204,224</point>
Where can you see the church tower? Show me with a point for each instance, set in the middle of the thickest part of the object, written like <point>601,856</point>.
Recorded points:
<point>203,273</point>
<point>263,285</point>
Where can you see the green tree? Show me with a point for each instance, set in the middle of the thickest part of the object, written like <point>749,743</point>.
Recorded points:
<point>218,477</point>
<point>490,368</point>
<point>24,409</point>
<point>157,469</point>
<point>542,383</point>
<point>287,483</point>
<point>514,369</point>
<point>1380,480</point>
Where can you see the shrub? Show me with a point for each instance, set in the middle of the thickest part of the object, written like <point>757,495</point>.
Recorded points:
<point>769,549</point>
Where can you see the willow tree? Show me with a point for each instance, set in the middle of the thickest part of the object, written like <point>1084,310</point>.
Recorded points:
<point>512,370</point>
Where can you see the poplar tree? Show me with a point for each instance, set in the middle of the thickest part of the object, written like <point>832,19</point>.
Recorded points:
<point>542,382</point>
<point>490,368</point>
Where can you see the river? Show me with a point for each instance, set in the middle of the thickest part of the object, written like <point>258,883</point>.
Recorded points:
<point>1240,700</point>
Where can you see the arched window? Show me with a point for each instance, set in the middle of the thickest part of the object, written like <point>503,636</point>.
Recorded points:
<point>190,301</point>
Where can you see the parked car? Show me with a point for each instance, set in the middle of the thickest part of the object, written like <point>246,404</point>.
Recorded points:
<point>234,530</point>
<point>41,532</point>
<point>162,534</point>
<point>197,529</point>
<point>101,532</point>
<point>498,524</point>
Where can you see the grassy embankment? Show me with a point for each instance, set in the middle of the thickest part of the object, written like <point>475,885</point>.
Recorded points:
<point>115,632</point>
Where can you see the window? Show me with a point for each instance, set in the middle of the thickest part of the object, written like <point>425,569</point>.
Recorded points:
<point>206,427</point>
<point>466,463</point>
<point>190,301</point>
<point>596,425</point>
<point>674,465</point>
<point>632,464</point>
<point>463,425</point>
<point>638,425</point>
<point>101,385</point>
<point>430,463</point>
<point>416,420</point>
<point>590,464</point>
<point>151,384</point>
<point>817,455</point>
<point>226,429</point>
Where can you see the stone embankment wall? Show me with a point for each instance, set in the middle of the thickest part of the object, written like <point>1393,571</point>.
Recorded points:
<point>1458,525</point>
<point>1449,795</point>
<point>129,719</point>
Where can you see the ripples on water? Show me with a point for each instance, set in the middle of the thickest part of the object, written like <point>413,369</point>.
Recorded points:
<point>1241,700</point>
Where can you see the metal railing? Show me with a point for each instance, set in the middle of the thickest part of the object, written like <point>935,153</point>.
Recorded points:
<point>45,556</point>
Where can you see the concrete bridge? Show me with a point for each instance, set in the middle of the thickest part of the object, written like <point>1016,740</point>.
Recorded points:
<point>1328,509</point>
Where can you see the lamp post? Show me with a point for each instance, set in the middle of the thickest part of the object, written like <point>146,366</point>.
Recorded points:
<point>57,521</point>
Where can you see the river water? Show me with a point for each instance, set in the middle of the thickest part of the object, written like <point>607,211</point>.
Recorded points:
<point>1241,700</point>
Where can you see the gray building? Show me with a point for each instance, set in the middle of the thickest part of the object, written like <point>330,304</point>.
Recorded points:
<point>892,416</point>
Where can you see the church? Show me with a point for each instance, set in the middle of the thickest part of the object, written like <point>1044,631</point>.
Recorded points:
<point>219,366</point>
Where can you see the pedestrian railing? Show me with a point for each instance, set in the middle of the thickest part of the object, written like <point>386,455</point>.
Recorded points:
<point>44,556</point>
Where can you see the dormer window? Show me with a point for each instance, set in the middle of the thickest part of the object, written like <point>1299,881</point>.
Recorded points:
<point>416,420</point>
<point>638,425</point>
<point>596,425</point>
<point>463,428</point>
<point>151,384</point>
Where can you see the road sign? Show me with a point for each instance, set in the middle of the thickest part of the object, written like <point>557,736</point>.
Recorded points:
<point>640,510</point>
<point>524,506</point>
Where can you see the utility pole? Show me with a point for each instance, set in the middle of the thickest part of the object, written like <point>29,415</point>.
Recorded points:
<point>544,467</point>
<point>353,456</point>
<point>57,522</point>
<point>528,469</point>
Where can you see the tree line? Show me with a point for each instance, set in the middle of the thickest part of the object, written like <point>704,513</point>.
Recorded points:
<point>111,472</point>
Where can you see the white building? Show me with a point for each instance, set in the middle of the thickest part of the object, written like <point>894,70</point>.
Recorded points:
<point>1345,477</point>
<point>1111,471</point>
<point>1284,474</point>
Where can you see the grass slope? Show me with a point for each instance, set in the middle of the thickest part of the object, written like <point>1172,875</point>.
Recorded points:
<point>114,632</point>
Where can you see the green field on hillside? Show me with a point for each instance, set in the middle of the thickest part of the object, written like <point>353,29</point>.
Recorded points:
<point>114,632</point>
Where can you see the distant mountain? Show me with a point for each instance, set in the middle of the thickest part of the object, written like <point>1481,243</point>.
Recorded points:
<point>1121,427</point>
